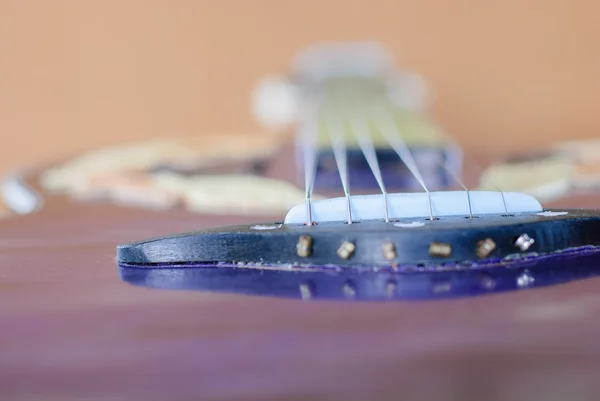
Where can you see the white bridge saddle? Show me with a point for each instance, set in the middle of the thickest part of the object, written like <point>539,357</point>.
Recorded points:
<point>411,205</point>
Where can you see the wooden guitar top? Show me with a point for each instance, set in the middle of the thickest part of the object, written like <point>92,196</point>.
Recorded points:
<point>71,329</point>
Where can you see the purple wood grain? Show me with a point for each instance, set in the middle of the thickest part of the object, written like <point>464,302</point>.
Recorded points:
<point>70,329</point>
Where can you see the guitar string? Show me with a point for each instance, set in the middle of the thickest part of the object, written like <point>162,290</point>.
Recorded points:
<point>455,178</point>
<point>461,183</point>
<point>307,138</point>
<point>449,170</point>
<point>452,143</point>
<point>473,166</point>
<point>360,128</point>
<point>336,128</point>
<point>388,127</point>
<point>338,144</point>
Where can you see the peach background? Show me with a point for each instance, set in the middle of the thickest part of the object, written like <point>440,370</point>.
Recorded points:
<point>75,74</point>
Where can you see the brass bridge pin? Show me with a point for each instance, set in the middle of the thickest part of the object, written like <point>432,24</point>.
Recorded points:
<point>304,246</point>
<point>346,250</point>
<point>440,249</point>
<point>389,251</point>
<point>485,247</point>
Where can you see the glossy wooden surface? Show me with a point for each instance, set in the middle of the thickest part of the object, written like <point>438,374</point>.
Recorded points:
<point>71,329</point>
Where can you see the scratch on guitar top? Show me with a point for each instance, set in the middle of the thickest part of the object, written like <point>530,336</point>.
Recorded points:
<point>549,213</point>
<point>265,226</point>
<point>410,225</point>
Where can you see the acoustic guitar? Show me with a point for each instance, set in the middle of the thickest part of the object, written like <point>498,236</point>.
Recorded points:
<point>229,320</point>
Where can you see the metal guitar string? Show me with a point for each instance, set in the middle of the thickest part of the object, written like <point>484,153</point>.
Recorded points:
<point>307,140</point>
<point>359,124</point>
<point>479,170</point>
<point>360,128</point>
<point>388,127</point>
<point>452,174</point>
<point>364,114</point>
<point>457,179</point>
<point>338,144</point>
<point>470,164</point>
